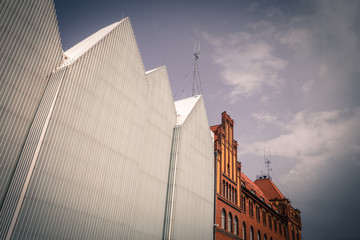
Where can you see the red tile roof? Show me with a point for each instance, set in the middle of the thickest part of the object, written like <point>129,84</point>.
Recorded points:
<point>249,185</point>
<point>269,189</point>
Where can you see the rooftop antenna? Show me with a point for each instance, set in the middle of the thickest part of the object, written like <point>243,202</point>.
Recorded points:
<point>196,76</point>
<point>267,160</point>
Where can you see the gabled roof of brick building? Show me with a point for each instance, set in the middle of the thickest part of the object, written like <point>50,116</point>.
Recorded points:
<point>269,189</point>
<point>250,185</point>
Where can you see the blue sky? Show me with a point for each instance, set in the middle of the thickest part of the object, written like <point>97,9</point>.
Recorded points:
<point>287,72</point>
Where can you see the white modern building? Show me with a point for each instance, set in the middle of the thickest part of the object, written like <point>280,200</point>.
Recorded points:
<point>93,146</point>
<point>190,196</point>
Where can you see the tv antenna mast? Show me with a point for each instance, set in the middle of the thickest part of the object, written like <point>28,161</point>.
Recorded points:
<point>267,161</point>
<point>196,75</point>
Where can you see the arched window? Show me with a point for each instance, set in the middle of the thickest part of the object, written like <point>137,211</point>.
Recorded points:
<point>235,196</point>
<point>229,222</point>
<point>223,188</point>
<point>226,191</point>
<point>223,214</point>
<point>280,229</point>
<point>244,230</point>
<point>258,235</point>
<point>236,225</point>
<point>229,188</point>
<point>270,238</point>
<point>251,208</point>
<point>265,238</point>
<point>244,204</point>
<point>251,233</point>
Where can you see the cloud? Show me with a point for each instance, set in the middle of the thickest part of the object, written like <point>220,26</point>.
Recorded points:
<point>313,79</point>
<point>325,46</point>
<point>273,11</point>
<point>265,117</point>
<point>248,63</point>
<point>312,137</point>
<point>309,52</point>
<point>325,150</point>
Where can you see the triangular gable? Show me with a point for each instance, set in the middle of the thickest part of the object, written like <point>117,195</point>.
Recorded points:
<point>184,108</point>
<point>82,47</point>
<point>269,189</point>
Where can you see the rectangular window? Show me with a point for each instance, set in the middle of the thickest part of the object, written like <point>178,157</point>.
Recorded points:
<point>250,209</point>
<point>275,226</point>
<point>270,222</point>
<point>264,218</point>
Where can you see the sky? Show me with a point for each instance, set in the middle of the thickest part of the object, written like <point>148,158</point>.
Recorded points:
<point>287,72</point>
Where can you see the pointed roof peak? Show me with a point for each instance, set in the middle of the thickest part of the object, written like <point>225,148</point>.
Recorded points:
<point>184,108</point>
<point>72,54</point>
<point>155,69</point>
<point>269,188</point>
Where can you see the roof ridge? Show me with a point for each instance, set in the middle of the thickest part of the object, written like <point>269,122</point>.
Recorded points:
<point>270,188</point>
<point>184,107</point>
<point>256,187</point>
<point>82,47</point>
<point>276,189</point>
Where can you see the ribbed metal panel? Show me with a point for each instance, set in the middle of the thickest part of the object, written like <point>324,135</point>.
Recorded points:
<point>192,174</point>
<point>29,50</point>
<point>87,152</point>
<point>150,189</point>
<point>170,194</point>
<point>28,157</point>
<point>95,177</point>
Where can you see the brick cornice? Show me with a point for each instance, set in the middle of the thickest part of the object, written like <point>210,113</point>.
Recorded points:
<point>219,197</point>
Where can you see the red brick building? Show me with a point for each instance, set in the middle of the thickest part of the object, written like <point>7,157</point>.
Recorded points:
<point>245,209</point>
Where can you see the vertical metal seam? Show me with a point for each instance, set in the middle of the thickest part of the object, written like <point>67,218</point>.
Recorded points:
<point>33,162</point>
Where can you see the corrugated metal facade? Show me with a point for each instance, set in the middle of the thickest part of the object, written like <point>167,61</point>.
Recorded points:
<point>89,163</point>
<point>190,199</point>
<point>87,149</point>
<point>29,50</point>
<point>150,194</point>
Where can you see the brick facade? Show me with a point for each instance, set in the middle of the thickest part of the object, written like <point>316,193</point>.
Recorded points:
<point>246,209</point>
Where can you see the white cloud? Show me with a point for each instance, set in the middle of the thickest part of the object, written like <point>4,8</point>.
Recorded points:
<point>248,63</point>
<point>265,117</point>
<point>314,139</point>
<point>317,148</point>
<point>326,46</point>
